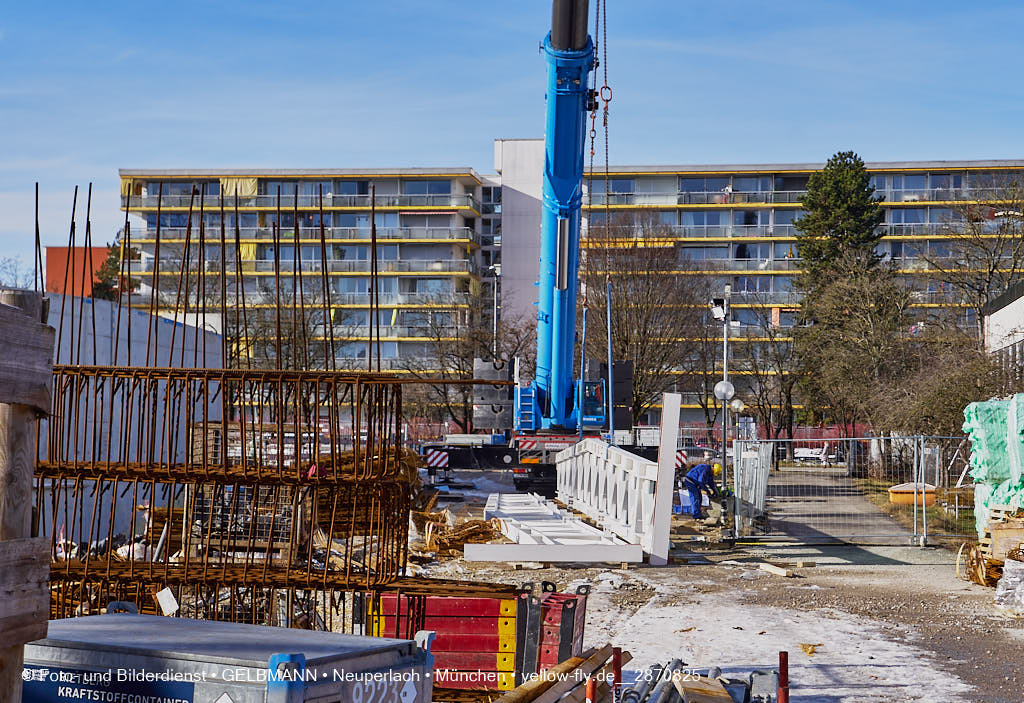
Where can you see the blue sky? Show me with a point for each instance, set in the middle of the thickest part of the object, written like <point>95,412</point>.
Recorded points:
<point>86,88</point>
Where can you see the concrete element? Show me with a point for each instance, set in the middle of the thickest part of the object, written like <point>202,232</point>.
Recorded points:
<point>520,163</point>
<point>627,495</point>
<point>544,533</point>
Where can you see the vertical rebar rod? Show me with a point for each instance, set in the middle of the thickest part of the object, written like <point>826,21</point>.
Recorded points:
<point>69,267</point>
<point>152,328</point>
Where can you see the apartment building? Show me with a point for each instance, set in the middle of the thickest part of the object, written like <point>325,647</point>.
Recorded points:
<point>453,243</point>
<point>435,245</point>
<point>736,221</point>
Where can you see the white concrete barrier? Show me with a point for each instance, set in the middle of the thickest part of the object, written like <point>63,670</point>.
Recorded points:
<point>627,495</point>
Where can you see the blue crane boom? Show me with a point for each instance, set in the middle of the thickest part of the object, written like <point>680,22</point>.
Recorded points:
<point>555,401</point>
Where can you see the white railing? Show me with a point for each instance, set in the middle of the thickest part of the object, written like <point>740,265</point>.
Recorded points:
<point>627,495</point>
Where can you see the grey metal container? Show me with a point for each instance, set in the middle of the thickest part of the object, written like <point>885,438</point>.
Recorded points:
<point>125,658</point>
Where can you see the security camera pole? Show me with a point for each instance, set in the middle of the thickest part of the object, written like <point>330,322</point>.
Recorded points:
<point>724,391</point>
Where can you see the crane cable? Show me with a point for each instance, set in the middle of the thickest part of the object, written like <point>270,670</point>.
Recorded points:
<point>605,95</point>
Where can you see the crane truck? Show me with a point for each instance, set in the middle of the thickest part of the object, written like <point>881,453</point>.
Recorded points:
<point>551,411</point>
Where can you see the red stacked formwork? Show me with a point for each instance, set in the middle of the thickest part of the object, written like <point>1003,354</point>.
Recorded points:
<point>476,643</point>
<point>563,617</point>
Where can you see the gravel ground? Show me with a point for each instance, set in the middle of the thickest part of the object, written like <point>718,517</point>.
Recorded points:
<point>895,624</point>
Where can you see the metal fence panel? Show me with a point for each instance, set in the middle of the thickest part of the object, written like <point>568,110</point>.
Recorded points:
<point>903,489</point>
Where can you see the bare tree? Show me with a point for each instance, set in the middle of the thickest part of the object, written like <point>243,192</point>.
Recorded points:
<point>985,250</point>
<point>854,340</point>
<point>14,274</point>
<point>701,369</point>
<point>658,299</point>
<point>773,372</point>
<point>453,337</point>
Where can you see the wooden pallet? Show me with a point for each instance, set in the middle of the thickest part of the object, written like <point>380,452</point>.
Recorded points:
<point>1004,532</point>
<point>982,563</point>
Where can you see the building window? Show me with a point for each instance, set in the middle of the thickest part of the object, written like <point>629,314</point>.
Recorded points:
<point>352,188</point>
<point>751,184</point>
<point>785,250</point>
<point>271,187</point>
<point>786,217</point>
<point>703,253</point>
<point>791,183</point>
<point>752,284</point>
<point>615,185</point>
<point>759,252</point>
<point>945,181</point>
<point>348,252</point>
<point>746,218</point>
<point>907,216</point>
<point>427,187</point>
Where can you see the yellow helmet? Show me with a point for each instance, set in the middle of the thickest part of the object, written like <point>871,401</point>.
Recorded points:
<point>717,468</point>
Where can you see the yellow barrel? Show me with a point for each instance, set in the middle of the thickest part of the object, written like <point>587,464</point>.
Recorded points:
<point>903,494</point>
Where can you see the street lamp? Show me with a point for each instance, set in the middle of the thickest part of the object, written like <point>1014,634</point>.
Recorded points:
<point>724,391</point>
<point>495,270</point>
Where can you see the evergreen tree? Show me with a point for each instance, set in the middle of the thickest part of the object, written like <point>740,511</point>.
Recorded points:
<point>106,285</point>
<point>841,221</point>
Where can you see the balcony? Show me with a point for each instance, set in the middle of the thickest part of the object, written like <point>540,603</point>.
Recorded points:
<point>429,266</point>
<point>694,232</point>
<point>412,299</point>
<point>752,265</point>
<point>388,332</point>
<point>456,201</point>
<point>765,298</point>
<point>791,197</point>
<point>717,197</point>
<point>308,234</point>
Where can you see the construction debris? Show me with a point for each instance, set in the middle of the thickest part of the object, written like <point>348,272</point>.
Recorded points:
<point>1010,588</point>
<point>982,563</point>
<point>675,681</point>
<point>810,649</point>
<point>777,570</point>
<point>451,541</point>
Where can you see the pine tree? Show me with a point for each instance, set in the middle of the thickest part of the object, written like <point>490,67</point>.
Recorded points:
<point>841,220</point>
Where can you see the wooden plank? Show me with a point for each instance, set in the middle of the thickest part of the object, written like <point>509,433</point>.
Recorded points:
<point>579,694</point>
<point>575,676</point>
<point>26,371</point>
<point>777,570</point>
<point>26,357</point>
<point>700,689</point>
<point>536,686</point>
<point>1004,540</point>
<point>24,589</point>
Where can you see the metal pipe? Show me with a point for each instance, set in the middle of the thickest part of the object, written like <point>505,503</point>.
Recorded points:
<point>569,24</point>
<point>639,690</point>
<point>783,677</point>
<point>616,669</point>
<point>579,24</point>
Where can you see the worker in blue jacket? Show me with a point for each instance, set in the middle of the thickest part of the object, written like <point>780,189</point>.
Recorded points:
<point>698,479</point>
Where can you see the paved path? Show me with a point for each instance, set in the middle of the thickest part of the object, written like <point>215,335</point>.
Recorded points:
<point>817,504</point>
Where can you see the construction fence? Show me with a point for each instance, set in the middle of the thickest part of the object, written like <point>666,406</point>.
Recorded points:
<point>895,489</point>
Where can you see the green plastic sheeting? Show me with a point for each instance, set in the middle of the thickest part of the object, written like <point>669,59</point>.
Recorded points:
<point>996,431</point>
